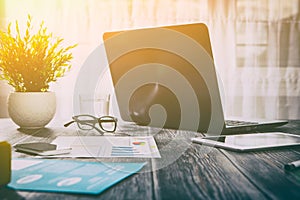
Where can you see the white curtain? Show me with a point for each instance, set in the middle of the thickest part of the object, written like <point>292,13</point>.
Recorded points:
<point>255,44</point>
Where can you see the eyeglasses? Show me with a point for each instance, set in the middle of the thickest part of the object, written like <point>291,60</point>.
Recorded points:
<point>88,122</point>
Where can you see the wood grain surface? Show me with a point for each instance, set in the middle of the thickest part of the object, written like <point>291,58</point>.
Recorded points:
<point>185,171</point>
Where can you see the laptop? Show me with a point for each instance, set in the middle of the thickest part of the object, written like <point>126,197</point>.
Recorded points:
<point>166,77</point>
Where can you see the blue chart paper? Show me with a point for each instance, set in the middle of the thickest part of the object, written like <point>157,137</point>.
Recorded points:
<point>68,176</point>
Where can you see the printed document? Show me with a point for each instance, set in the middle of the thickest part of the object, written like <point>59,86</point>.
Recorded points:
<point>108,146</point>
<point>53,175</point>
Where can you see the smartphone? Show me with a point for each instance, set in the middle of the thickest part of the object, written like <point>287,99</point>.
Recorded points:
<point>36,146</point>
<point>41,148</point>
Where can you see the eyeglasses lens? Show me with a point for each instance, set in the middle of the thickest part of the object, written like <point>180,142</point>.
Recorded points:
<point>108,124</point>
<point>86,122</point>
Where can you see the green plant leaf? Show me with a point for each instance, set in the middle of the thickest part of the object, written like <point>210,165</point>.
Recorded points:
<point>31,62</point>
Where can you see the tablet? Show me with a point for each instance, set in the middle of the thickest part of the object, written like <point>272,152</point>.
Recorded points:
<point>248,142</point>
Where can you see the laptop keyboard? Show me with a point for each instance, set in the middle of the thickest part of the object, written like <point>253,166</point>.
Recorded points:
<point>239,123</point>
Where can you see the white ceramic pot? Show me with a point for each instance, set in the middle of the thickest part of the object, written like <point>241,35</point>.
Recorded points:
<point>31,110</point>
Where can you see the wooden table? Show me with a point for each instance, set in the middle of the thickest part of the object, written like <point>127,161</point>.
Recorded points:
<point>185,171</point>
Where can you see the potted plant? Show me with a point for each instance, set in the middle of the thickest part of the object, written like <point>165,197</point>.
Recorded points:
<point>28,63</point>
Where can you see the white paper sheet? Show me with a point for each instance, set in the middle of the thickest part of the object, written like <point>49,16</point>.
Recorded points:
<point>108,146</point>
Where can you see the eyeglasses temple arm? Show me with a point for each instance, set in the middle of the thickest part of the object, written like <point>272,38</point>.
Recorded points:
<point>69,123</point>
<point>98,130</point>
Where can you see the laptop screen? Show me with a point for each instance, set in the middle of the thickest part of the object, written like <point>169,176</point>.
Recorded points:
<point>165,77</point>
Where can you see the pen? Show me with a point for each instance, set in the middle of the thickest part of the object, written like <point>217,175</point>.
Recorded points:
<point>292,165</point>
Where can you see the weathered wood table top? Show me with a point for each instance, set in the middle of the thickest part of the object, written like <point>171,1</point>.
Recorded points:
<point>185,171</point>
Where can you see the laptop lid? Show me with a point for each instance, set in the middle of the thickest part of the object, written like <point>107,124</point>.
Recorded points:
<point>165,77</point>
